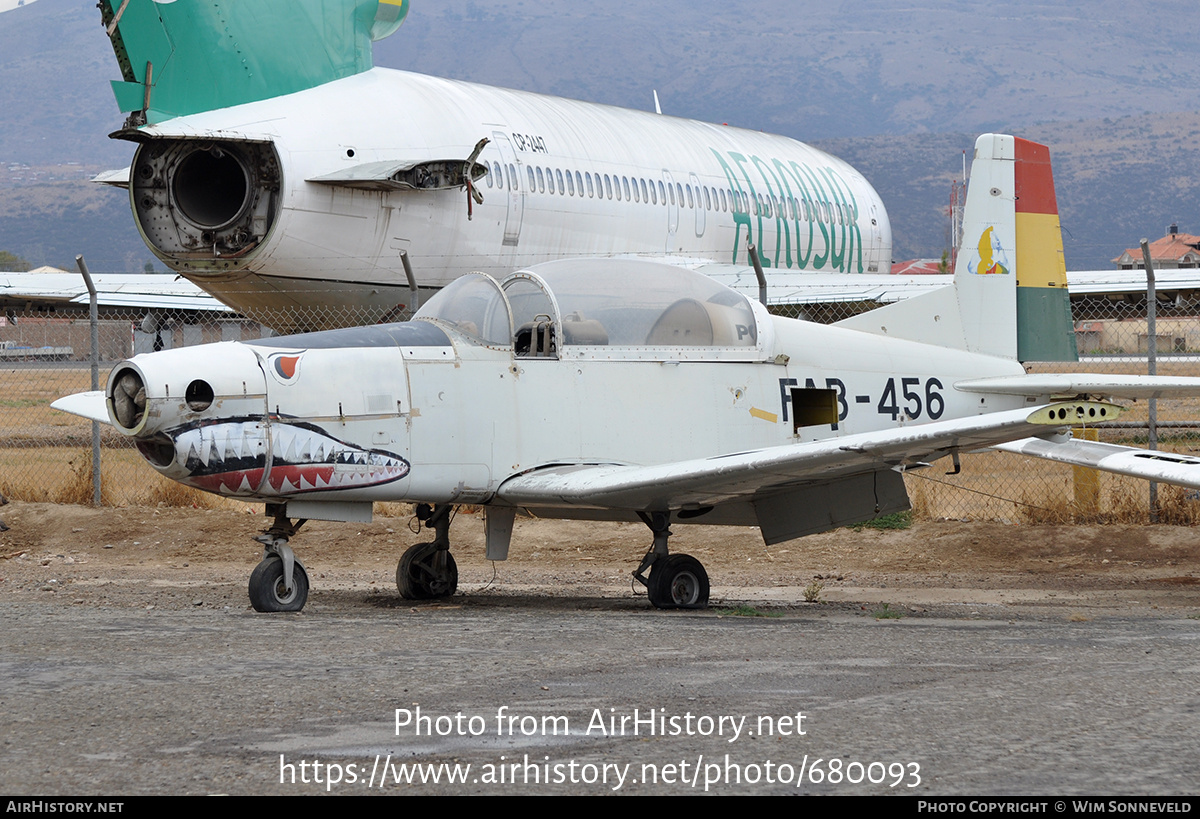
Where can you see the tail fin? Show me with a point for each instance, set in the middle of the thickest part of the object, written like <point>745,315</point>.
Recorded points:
<point>180,57</point>
<point>1010,294</point>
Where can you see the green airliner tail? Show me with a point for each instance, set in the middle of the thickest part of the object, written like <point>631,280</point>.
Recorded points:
<point>180,57</point>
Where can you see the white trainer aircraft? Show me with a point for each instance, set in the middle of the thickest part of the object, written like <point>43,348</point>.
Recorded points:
<point>280,171</point>
<point>622,389</point>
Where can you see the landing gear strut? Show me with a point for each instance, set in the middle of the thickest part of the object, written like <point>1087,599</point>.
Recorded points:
<point>675,581</point>
<point>427,571</point>
<point>279,582</point>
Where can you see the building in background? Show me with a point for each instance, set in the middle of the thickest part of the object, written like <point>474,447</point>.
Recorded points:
<point>1171,252</point>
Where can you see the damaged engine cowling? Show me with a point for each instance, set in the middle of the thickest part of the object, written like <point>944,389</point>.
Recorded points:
<point>205,204</point>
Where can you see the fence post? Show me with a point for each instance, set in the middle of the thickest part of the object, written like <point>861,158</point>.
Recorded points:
<point>1152,367</point>
<point>94,322</point>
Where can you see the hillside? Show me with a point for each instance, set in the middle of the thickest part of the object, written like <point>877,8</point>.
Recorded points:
<point>1117,181</point>
<point>900,92</point>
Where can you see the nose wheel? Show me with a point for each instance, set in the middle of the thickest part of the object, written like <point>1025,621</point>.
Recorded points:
<point>269,590</point>
<point>427,571</point>
<point>279,582</point>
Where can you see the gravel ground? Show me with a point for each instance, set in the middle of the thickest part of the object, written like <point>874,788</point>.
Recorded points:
<point>1007,660</point>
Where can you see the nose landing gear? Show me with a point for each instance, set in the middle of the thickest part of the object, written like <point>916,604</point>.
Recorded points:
<point>279,582</point>
<point>269,589</point>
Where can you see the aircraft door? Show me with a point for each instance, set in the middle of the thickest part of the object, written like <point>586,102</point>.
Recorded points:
<point>699,194</point>
<point>672,211</point>
<point>511,167</point>
<point>874,239</point>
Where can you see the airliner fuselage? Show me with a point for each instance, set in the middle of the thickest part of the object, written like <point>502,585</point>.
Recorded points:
<point>312,198</point>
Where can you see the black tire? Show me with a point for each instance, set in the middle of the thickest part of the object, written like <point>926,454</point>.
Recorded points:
<point>418,576</point>
<point>679,582</point>
<point>267,592</point>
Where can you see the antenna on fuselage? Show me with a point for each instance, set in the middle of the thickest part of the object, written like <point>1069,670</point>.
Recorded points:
<point>657,107</point>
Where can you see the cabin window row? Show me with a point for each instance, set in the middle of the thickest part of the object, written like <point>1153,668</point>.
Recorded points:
<point>653,192</point>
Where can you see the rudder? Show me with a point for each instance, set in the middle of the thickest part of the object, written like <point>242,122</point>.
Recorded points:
<point>1010,296</point>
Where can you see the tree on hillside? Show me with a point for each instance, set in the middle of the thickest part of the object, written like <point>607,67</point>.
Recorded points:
<point>12,263</point>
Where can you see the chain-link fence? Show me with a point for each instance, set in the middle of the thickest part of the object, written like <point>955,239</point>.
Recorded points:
<point>45,455</point>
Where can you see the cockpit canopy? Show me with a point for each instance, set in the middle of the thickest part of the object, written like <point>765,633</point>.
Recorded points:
<point>591,303</point>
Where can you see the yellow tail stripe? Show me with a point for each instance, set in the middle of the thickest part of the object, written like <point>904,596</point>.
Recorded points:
<point>1039,251</point>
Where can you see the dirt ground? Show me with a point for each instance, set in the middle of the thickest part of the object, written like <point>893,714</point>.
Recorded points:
<point>143,557</point>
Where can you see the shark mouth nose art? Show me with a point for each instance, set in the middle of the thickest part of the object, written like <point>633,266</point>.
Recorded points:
<point>231,458</point>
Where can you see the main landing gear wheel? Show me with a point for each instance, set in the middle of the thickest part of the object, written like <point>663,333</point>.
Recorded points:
<point>268,589</point>
<point>675,581</point>
<point>678,582</point>
<point>426,572</point>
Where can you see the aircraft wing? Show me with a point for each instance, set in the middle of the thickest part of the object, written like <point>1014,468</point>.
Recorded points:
<point>116,293</point>
<point>1168,467</point>
<point>744,475</point>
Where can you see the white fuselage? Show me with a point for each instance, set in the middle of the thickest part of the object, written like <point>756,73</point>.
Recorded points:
<point>566,179</point>
<point>447,408</point>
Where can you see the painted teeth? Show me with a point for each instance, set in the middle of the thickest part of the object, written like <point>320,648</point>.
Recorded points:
<point>307,460</point>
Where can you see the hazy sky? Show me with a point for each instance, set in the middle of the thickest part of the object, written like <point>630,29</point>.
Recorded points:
<point>5,5</point>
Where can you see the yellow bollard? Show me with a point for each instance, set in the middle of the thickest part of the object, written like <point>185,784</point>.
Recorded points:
<point>1087,481</point>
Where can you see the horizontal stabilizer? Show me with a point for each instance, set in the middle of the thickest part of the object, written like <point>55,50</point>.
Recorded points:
<point>1167,467</point>
<point>91,405</point>
<point>118,178</point>
<point>811,287</point>
<point>1073,384</point>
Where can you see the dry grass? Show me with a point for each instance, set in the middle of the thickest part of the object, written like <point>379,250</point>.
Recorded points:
<point>79,487</point>
<point>1123,501</point>
<point>25,413</point>
<point>394,510</point>
<point>169,493</point>
<point>46,473</point>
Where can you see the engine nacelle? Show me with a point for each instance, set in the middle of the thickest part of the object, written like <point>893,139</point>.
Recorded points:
<point>205,204</point>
